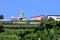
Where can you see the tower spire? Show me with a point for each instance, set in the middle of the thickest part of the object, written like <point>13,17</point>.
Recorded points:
<point>21,11</point>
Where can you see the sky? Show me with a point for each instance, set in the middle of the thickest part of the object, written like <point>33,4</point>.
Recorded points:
<point>30,8</point>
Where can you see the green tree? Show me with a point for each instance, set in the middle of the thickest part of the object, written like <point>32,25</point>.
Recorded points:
<point>50,19</point>
<point>1,17</point>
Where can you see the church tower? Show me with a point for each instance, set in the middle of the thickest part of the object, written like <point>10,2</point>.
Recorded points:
<point>21,16</point>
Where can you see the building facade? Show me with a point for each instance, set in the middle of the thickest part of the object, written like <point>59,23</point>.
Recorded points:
<point>12,18</point>
<point>42,17</point>
<point>55,17</point>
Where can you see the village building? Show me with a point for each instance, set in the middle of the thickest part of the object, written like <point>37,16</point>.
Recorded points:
<point>12,18</point>
<point>55,17</point>
<point>21,16</point>
<point>41,17</point>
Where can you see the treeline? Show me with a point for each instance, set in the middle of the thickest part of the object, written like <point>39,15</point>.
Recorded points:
<point>47,30</point>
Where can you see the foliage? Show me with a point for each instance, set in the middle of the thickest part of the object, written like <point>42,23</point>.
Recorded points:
<point>20,26</point>
<point>50,19</point>
<point>47,30</point>
<point>1,17</point>
<point>9,37</point>
<point>1,28</point>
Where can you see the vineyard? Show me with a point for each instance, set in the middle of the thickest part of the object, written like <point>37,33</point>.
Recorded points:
<point>46,30</point>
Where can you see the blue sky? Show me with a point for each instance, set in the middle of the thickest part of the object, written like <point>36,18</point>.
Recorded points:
<point>30,8</point>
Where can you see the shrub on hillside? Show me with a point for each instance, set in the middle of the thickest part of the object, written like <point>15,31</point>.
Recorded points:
<point>1,28</point>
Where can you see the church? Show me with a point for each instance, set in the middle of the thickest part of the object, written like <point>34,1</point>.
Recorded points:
<point>21,17</point>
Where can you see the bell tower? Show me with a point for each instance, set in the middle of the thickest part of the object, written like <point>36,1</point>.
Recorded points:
<point>21,16</point>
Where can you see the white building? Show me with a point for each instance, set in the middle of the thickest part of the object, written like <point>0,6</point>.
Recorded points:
<point>55,17</point>
<point>21,16</point>
<point>12,18</point>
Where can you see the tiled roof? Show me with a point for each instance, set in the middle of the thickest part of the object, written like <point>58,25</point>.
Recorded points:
<point>38,16</point>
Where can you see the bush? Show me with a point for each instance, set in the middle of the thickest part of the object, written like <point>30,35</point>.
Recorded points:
<point>9,37</point>
<point>1,28</point>
<point>20,26</point>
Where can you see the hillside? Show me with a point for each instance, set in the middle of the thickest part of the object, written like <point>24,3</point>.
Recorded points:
<point>46,30</point>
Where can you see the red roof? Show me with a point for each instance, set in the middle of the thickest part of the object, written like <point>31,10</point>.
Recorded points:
<point>38,16</point>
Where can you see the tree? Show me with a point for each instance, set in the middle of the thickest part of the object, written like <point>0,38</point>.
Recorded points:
<point>50,19</point>
<point>1,17</point>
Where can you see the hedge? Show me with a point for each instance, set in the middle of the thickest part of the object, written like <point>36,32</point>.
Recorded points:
<point>14,31</point>
<point>9,37</point>
<point>20,26</point>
